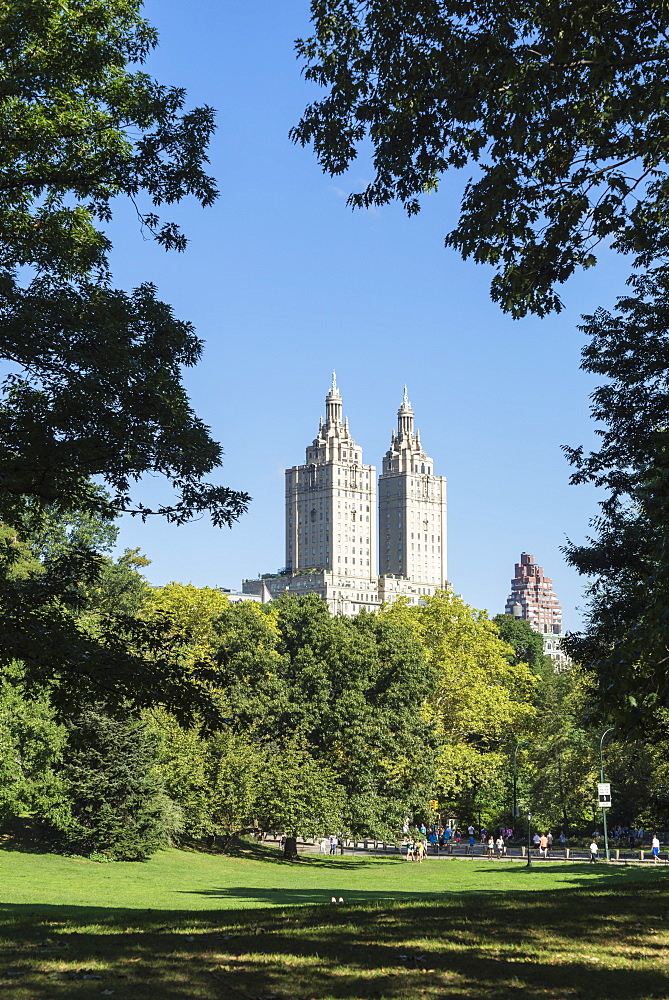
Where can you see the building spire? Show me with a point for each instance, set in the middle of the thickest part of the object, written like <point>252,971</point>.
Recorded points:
<point>405,417</point>
<point>333,405</point>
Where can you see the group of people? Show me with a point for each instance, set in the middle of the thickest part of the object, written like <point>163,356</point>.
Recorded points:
<point>416,849</point>
<point>328,845</point>
<point>543,843</point>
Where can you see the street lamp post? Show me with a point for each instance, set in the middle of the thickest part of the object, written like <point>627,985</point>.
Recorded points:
<point>601,778</point>
<point>529,830</point>
<point>515,771</point>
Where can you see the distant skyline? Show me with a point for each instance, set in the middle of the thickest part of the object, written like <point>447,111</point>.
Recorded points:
<point>285,284</point>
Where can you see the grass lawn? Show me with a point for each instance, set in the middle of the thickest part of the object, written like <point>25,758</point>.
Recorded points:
<point>189,926</point>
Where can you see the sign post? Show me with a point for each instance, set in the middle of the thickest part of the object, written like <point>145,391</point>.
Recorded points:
<point>604,792</point>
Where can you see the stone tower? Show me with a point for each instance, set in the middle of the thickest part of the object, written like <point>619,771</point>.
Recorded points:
<point>331,505</point>
<point>412,509</point>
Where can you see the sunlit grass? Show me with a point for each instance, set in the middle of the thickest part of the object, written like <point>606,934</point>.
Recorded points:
<point>447,929</point>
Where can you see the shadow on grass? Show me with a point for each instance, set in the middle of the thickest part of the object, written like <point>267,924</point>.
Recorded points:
<point>584,874</point>
<point>272,855</point>
<point>560,945</point>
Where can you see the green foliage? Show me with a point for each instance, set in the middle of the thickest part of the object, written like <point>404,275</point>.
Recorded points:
<point>329,707</point>
<point>480,704</point>
<point>31,749</point>
<point>70,615</point>
<point>117,806</point>
<point>561,121</point>
<point>299,794</point>
<point>626,639</point>
<point>561,765</point>
<point>96,385</point>
<point>526,643</point>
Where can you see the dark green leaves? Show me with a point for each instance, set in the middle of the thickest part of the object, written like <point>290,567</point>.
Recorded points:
<point>561,117</point>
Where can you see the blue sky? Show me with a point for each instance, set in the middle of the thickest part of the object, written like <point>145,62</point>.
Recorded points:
<point>284,283</point>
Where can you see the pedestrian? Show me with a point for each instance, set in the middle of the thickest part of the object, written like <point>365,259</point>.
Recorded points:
<point>549,837</point>
<point>333,843</point>
<point>536,840</point>
<point>563,840</point>
<point>594,851</point>
<point>470,848</point>
<point>420,851</point>
<point>491,846</point>
<point>447,839</point>
<point>543,845</point>
<point>656,848</point>
<point>501,846</point>
<point>411,850</point>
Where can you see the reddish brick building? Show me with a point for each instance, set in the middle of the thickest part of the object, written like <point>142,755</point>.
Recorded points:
<point>533,599</point>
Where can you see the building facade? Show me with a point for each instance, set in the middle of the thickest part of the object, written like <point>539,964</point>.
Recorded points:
<point>532,592</point>
<point>532,598</point>
<point>330,502</point>
<point>331,526</point>
<point>412,509</point>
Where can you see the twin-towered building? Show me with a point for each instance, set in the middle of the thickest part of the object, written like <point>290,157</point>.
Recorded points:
<point>332,532</point>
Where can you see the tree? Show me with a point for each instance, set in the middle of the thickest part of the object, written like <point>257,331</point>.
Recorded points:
<point>480,703</point>
<point>31,748</point>
<point>626,638</point>
<point>117,806</point>
<point>562,778</point>
<point>526,643</point>
<point>563,121</point>
<point>298,794</point>
<point>95,389</point>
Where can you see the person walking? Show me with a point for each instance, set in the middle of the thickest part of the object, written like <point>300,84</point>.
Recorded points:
<point>447,839</point>
<point>470,846</point>
<point>594,851</point>
<point>333,843</point>
<point>656,848</point>
<point>501,847</point>
<point>543,845</point>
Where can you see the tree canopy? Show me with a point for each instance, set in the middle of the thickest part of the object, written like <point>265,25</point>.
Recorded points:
<point>626,634</point>
<point>560,116</point>
<point>94,386</point>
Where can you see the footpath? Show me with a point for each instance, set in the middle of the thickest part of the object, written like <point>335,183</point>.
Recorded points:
<point>379,848</point>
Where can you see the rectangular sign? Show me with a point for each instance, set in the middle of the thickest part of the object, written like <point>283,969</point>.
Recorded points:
<point>604,793</point>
